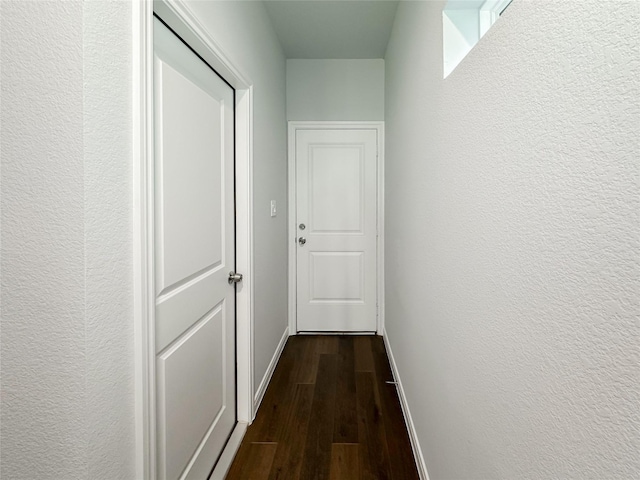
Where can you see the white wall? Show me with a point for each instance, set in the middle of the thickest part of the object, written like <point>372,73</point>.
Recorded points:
<point>67,323</point>
<point>335,89</point>
<point>108,229</point>
<point>43,344</point>
<point>245,34</point>
<point>513,238</point>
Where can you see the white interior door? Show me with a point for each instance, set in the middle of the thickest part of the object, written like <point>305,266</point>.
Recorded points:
<point>194,253</point>
<point>336,210</point>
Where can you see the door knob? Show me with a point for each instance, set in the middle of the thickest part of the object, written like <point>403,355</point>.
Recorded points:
<point>302,240</point>
<point>234,277</point>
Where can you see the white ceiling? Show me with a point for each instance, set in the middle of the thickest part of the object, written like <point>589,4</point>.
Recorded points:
<point>332,28</point>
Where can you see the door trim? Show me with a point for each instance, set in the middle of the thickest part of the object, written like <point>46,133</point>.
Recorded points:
<point>182,20</point>
<point>294,126</point>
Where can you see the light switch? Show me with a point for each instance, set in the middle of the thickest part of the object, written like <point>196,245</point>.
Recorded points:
<point>273,208</point>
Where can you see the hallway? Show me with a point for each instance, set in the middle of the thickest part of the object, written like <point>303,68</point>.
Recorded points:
<point>328,413</point>
<point>509,286</point>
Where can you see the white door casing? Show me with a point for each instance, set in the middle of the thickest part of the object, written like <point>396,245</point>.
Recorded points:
<point>336,199</point>
<point>194,253</point>
<point>178,15</point>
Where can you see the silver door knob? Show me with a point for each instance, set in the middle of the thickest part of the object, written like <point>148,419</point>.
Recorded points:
<point>234,277</point>
<point>302,240</point>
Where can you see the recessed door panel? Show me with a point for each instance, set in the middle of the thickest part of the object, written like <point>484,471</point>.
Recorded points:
<point>189,188</point>
<point>336,177</point>
<point>191,398</point>
<point>336,201</point>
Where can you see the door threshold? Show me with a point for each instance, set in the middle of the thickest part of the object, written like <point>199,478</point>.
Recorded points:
<point>229,453</point>
<point>325,332</point>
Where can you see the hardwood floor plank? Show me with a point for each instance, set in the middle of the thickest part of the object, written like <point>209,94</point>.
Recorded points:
<point>327,343</point>
<point>288,459</point>
<point>317,451</point>
<point>344,462</point>
<point>374,454</point>
<point>311,347</point>
<point>253,462</point>
<point>345,428</point>
<point>273,411</point>
<point>363,354</point>
<point>380,360</point>
<point>401,461</point>
<point>308,357</point>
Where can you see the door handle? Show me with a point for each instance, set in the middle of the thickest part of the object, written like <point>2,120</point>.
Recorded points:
<point>302,241</point>
<point>234,277</point>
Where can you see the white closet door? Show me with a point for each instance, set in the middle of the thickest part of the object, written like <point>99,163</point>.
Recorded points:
<point>194,253</point>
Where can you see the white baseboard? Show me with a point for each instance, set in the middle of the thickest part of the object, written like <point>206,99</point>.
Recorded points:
<point>415,444</point>
<point>229,452</point>
<point>257,399</point>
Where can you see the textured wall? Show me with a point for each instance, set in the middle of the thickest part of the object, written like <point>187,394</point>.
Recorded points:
<point>335,89</point>
<point>108,207</point>
<point>244,33</point>
<point>67,336</point>
<point>43,349</point>
<point>513,240</point>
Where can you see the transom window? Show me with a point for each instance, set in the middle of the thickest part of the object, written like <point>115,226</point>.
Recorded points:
<point>464,23</point>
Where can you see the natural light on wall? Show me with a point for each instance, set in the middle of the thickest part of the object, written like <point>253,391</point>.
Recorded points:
<point>464,22</point>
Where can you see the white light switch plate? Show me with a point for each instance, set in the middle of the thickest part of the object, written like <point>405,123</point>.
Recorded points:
<point>273,208</point>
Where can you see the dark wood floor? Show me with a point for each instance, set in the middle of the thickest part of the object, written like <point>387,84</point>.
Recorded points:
<point>328,414</point>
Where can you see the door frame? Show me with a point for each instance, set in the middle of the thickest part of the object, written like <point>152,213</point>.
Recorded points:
<point>294,126</point>
<point>184,22</point>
